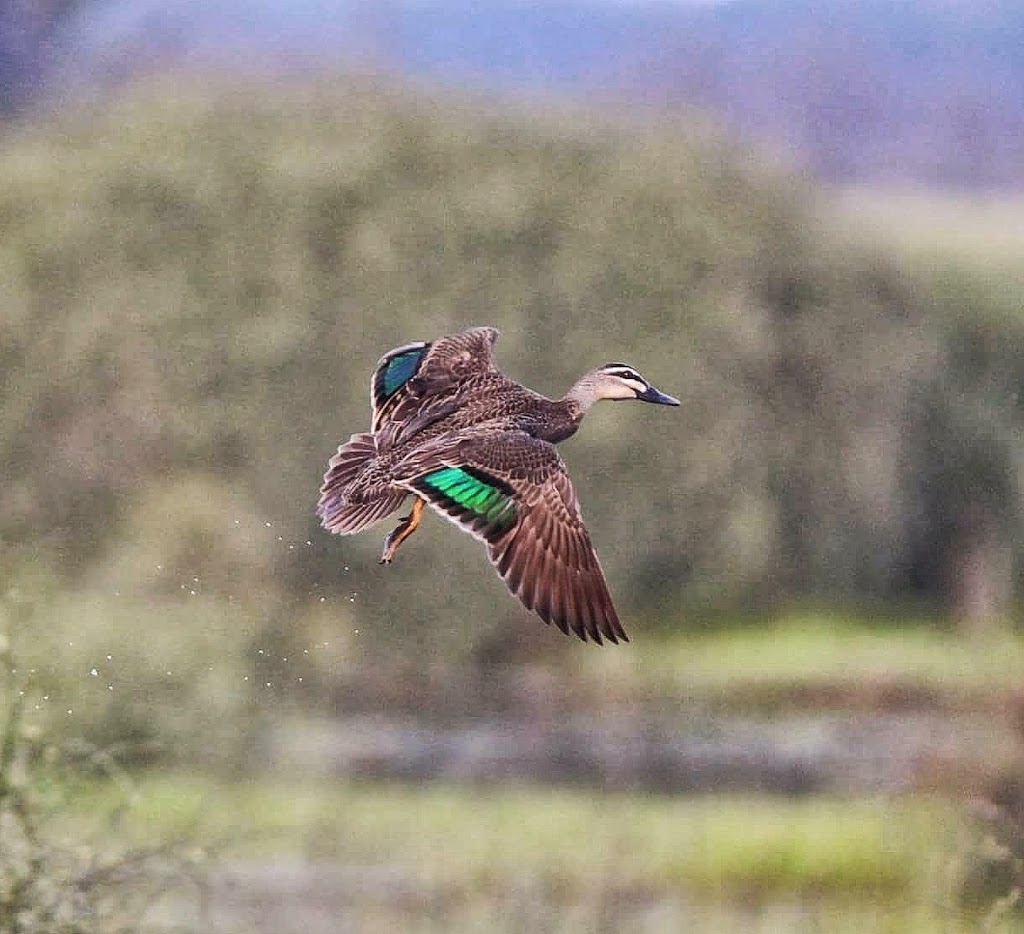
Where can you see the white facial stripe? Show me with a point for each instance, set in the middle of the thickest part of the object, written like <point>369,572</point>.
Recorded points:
<point>617,387</point>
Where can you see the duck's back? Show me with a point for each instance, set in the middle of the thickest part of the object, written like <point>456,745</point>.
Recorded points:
<point>422,392</point>
<point>409,377</point>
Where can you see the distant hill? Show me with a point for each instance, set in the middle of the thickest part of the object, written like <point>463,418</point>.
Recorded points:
<point>930,91</point>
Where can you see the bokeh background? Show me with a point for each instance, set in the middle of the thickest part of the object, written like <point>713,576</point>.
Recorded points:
<point>803,219</point>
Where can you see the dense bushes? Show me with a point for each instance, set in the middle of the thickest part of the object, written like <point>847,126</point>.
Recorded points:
<point>194,286</point>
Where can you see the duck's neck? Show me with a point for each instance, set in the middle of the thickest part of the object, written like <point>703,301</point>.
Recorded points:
<point>564,415</point>
<point>581,395</point>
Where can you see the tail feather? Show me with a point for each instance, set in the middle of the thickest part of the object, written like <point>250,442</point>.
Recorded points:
<point>337,514</point>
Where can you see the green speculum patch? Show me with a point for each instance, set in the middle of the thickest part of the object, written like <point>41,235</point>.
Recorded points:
<point>481,497</point>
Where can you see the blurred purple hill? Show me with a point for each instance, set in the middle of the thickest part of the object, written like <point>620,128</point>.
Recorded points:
<point>930,91</point>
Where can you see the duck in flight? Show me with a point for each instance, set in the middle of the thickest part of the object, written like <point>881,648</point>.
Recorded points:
<point>454,432</point>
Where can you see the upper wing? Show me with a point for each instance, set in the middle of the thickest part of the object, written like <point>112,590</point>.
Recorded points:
<point>410,379</point>
<point>512,491</point>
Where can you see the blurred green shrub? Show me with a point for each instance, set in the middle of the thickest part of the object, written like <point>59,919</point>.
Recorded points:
<point>990,874</point>
<point>58,874</point>
<point>195,283</point>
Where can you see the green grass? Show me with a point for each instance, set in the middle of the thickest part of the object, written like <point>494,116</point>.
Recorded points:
<point>804,653</point>
<point>493,859</point>
<point>460,837</point>
<point>510,859</point>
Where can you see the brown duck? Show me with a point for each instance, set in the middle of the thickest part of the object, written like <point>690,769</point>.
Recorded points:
<point>453,431</point>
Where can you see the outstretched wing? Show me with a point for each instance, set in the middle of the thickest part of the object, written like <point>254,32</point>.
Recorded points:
<point>411,379</point>
<point>512,491</point>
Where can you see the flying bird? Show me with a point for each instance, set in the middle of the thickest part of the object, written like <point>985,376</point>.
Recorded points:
<point>455,433</point>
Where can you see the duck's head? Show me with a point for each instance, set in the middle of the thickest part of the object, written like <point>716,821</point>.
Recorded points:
<point>617,381</point>
<point>621,381</point>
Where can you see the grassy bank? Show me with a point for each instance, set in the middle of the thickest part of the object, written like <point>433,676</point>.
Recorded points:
<point>475,857</point>
<point>797,657</point>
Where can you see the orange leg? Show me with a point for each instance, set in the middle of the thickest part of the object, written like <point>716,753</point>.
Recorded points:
<point>407,526</point>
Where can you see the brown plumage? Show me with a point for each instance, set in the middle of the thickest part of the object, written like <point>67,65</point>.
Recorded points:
<point>451,429</point>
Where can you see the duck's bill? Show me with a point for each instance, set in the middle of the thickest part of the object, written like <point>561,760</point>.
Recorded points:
<point>654,395</point>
